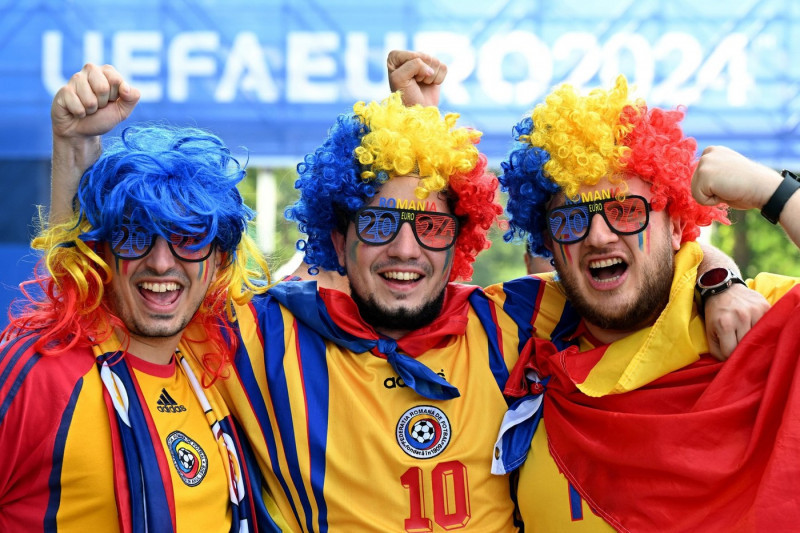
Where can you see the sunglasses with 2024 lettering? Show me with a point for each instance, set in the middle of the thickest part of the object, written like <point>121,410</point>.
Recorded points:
<point>380,225</point>
<point>129,242</point>
<point>570,223</point>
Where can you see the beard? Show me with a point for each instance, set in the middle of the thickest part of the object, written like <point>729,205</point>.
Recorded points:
<point>651,298</point>
<point>403,318</point>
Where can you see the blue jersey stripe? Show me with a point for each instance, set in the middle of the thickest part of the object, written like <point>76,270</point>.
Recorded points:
<point>271,321</point>
<point>520,304</point>
<point>483,309</point>
<point>12,392</point>
<point>285,421</point>
<point>54,483</point>
<point>315,370</point>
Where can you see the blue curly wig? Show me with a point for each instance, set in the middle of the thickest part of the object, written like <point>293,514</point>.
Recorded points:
<point>377,142</point>
<point>574,140</point>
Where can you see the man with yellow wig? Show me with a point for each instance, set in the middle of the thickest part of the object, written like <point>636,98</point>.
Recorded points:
<point>621,419</point>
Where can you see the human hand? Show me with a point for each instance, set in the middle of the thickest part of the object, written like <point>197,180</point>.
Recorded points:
<point>419,76</point>
<point>729,315</point>
<point>725,176</point>
<point>92,103</point>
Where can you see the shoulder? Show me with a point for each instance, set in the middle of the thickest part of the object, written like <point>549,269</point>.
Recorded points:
<point>25,371</point>
<point>772,286</point>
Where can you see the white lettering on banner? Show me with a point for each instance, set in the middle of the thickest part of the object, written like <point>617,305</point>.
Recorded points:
<point>53,43</point>
<point>579,49</point>
<point>357,58</point>
<point>136,55</point>
<point>457,52</point>
<point>326,67</point>
<point>490,68</point>
<point>311,55</point>
<point>186,59</point>
<point>246,68</point>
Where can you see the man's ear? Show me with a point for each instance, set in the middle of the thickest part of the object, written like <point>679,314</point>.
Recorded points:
<point>677,225</point>
<point>338,240</point>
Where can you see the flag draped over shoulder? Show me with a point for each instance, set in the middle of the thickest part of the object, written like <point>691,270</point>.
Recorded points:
<point>708,447</point>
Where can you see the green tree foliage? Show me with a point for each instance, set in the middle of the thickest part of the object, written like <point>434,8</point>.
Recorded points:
<point>756,245</point>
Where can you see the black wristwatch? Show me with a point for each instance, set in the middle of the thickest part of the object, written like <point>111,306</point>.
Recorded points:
<point>772,209</point>
<point>715,281</point>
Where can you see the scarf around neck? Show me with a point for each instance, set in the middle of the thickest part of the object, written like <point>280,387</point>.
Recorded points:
<point>334,316</point>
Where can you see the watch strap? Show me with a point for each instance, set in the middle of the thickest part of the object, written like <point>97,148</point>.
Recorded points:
<point>772,209</point>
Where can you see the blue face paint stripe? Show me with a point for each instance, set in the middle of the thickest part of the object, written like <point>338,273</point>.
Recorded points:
<point>54,482</point>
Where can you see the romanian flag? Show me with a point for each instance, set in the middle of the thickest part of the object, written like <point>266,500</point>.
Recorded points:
<point>707,447</point>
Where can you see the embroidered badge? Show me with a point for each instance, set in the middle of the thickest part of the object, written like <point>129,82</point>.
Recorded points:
<point>188,457</point>
<point>423,431</point>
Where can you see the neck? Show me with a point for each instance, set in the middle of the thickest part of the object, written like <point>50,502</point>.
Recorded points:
<point>607,336</point>
<point>158,350</point>
<point>392,333</point>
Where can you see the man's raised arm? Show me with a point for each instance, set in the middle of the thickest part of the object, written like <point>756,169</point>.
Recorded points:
<point>91,104</point>
<point>723,175</point>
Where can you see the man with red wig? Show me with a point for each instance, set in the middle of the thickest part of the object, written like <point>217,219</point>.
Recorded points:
<point>621,419</point>
<point>104,424</point>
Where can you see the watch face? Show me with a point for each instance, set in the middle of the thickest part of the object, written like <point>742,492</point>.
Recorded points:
<point>713,277</point>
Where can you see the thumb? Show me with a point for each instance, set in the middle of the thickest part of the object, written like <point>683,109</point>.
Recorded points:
<point>128,98</point>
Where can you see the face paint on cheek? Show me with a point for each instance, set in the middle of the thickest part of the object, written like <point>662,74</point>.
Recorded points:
<point>565,255</point>
<point>352,252</point>
<point>202,271</point>
<point>448,258</point>
<point>644,240</point>
<point>121,266</point>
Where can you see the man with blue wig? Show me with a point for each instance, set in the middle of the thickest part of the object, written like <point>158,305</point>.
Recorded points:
<point>621,419</point>
<point>104,424</point>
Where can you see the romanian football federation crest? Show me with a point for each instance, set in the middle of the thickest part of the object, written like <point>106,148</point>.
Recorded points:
<point>188,457</point>
<point>423,431</point>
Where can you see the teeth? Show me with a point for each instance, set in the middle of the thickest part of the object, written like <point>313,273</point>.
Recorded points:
<point>159,287</point>
<point>609,280</point>
<point>402,276</point>
<point>605,263</point>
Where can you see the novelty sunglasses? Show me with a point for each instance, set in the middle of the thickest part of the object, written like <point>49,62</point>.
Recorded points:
<point>380,225</point>
<point>570,223</point>
<point>129,242</point>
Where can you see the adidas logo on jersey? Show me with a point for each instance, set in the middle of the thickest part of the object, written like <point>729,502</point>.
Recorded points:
<point>166,404</point>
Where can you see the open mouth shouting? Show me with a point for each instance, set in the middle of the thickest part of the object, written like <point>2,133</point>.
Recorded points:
<point>606,273</point>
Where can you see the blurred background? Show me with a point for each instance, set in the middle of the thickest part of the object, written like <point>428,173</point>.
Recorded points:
<point>270,76</point>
